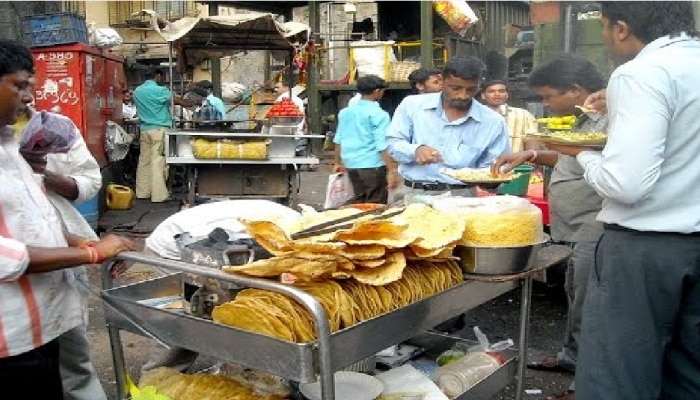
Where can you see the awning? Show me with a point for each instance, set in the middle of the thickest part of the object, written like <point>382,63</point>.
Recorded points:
<point>250,31</point>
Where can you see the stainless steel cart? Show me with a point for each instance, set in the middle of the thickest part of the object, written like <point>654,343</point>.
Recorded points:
<point>129,308</point>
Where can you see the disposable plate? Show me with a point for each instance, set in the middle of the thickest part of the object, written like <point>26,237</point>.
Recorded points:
<point>348,386</point>
<point>453,173</point>
<point>571,140</point>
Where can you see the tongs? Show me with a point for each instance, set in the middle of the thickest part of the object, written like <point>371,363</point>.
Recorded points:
<point>342,223</point>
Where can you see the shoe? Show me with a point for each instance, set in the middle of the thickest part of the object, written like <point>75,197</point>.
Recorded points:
<point>550,364</point>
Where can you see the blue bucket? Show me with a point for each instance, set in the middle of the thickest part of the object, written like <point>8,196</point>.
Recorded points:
<point>90,210</point>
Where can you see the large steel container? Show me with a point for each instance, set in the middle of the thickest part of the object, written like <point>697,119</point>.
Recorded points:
<point>497,260</point>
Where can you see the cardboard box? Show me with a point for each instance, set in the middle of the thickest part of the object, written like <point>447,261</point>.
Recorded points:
<point>264,98</point>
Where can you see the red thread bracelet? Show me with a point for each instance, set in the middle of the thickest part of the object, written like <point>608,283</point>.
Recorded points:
<point>86,243</point>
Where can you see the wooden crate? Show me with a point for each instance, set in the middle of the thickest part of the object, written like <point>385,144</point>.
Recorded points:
<point>264,98</point>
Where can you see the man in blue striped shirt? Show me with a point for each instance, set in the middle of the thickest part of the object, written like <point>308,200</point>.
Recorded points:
<point>448,129</point>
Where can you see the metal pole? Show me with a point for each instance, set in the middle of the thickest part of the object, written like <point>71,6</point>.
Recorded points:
<point>426,33</point>
<point>569,43</point>
<point>171,76</point>
<point>526,294</point>
<point>312,79</point>
<point>215,61</point>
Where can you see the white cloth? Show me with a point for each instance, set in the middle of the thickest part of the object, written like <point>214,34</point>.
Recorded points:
<point>34,308</point>
<point>300,105</point>
<point>128,111</point>
<point>355,99</point>
<point>82,167</point>
<point>202,219</point>
<point>648,172</point>
<point>80,381</point>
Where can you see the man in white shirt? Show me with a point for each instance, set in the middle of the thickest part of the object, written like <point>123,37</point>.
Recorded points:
<point>73,178</point>
<point>284,91</point>
<point>640,338</point>
<point>519,120</point>
<point>40,299</point>
<point>128,107</point>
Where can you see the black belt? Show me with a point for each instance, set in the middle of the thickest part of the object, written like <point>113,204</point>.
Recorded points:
<point>432,186</point>
<point>616,227</point>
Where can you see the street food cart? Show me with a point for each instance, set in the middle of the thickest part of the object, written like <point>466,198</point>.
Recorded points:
<point>269,172</point>
<point>132,308</point>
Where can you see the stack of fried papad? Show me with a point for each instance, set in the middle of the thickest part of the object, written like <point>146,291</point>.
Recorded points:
<point>346,302</point>
<point>357,273</point>
<point>178,386</point>
<point>371,251</point>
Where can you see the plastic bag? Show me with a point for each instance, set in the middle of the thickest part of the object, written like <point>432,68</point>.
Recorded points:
<point>117,141</point>
<point>495,221</point>
<point>48,132</point>
<point>457,13</point>
<point>460,349</point>
<point>339,191</point>
<point>103,38</point>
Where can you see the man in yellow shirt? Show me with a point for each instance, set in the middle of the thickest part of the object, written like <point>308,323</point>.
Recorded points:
<point>494,94</point>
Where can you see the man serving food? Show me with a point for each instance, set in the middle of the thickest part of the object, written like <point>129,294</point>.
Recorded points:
<point>431,132</point>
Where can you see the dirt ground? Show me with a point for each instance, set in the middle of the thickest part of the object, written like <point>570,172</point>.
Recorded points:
<point>498,319</point>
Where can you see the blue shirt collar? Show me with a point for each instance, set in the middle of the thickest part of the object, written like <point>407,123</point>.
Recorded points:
<point>665,41</point>
<point>435,103</point>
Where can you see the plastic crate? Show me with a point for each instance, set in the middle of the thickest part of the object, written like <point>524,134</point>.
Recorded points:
<point>53,29</point>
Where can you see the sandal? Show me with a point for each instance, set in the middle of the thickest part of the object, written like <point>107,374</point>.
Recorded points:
<point>568,395</point>
<point>550,364</point>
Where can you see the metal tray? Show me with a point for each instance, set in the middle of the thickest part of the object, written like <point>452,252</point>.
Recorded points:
<point>292,360</point>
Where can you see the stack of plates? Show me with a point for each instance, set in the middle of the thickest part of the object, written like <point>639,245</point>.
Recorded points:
<point>348,386</point>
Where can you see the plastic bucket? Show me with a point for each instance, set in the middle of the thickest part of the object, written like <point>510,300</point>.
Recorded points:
<point>518,186</point>
<point>119,197</point>
<point>90,210</point>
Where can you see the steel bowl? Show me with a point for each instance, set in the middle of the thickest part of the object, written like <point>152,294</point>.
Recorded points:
<point>497,260</point>
<point>285,121</point>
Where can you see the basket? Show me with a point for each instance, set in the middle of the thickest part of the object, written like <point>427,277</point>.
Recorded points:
<point>399,70</point>
<point>228,149</point>
<point>53,29</point>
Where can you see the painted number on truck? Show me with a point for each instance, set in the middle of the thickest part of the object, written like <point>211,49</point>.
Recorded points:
<point>55,55</point>
<point>58,92</point>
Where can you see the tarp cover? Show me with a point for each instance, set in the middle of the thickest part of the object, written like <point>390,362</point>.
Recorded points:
<point>241,31</point>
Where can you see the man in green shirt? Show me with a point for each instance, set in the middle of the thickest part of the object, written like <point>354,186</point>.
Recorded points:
<point>153,110</point>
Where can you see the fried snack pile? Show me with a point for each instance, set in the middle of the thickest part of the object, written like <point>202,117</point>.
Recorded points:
<point>371,251</point>
<point>481,175</point>
<point>346,302</point>
<point>356,273</point>
<point>573,138</point>
<point>178,386</point>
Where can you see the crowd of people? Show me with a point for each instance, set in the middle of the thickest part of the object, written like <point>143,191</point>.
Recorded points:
<point>629,212</point>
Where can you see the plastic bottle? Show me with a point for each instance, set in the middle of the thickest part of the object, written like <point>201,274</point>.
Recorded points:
<point>462,374</point>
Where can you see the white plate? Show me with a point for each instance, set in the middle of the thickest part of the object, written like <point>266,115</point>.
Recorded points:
<point>348,386</point>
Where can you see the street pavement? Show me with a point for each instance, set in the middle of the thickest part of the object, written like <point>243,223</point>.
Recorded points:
<point>498,319</point>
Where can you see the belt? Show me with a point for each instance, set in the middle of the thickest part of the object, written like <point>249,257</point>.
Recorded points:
<point>432,186</point>
<point>616,227</point>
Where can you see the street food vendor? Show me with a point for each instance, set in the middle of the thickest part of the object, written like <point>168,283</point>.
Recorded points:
<point>153,110</point>
<point>284,91</point>
<point>447,129</point>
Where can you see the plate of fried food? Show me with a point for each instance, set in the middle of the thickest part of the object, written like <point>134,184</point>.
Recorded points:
<point>588,139</point>
<point>476,176</point>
